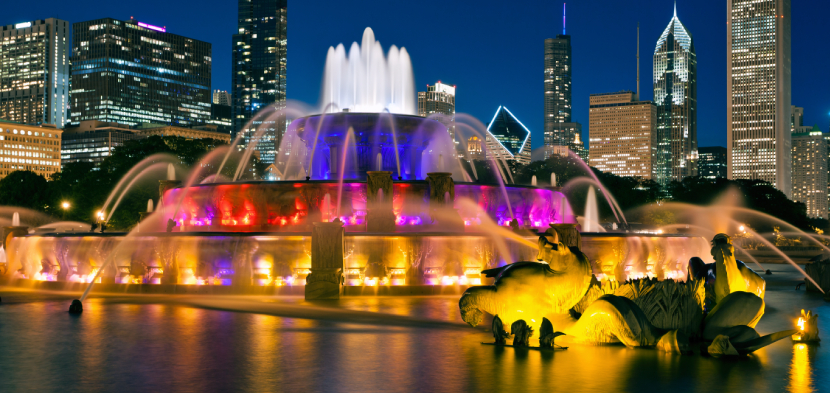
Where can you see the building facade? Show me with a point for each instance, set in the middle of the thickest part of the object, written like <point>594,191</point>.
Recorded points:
<point>621,134</point>
<point>200,132</point>
<point>220,116</point>
<point>34,72</point>
<point>259,61</point>
<point>507,138</point>
<point>758,89</point>
<point>558,91</point>
<point>221,97</point>
<point>29,148</point>
<point>675,95</point>
<point>130,72</point>
<point>439,102</point>
<point>809,175</point>
<point>712,162</point>
<point>93,141</point>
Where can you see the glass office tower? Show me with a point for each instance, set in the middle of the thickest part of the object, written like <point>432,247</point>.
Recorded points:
<point>34,72</point>
<point>130,72</point>
<point>259,73</point>
<point>675,95</point>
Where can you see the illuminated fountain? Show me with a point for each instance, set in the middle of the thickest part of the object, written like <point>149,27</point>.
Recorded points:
<point>369,195</point>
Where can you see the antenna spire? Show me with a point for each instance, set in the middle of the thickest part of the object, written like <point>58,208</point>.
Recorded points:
<point>675,8</point>
<point>638,61</point>
<point>563,18</point>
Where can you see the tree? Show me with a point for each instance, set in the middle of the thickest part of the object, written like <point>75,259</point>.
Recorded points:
<point>25,189</point>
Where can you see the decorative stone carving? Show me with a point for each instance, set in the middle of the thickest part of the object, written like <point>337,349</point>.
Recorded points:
<point>327,249</point>
<point>535,291</point>
<point>674,342</point>
<point>567,233</point>
<point>521,333</point>
<point>441,199</point>
<point>547,335</point>
<point>498,331</point>
<point>732,276</point>
<point>379,217</point>
<point>526,289</point>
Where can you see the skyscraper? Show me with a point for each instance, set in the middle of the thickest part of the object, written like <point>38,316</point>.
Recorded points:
<point>439,99</point>
<point>711,162</point>
<point>558,90</point>
<point>34,72</point>
<point>621,134</point>
<point>130,72</point>
<point>259,73</point>
<point>758,91</point>
<point>221,97</point>
<point>675,95</point>
<point>507,138</point>
<point>810,171</point>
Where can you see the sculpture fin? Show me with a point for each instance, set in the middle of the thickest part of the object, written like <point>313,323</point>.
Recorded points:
<point>760,342</point>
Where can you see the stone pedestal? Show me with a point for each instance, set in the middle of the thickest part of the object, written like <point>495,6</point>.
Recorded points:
<point>566,233</point>
<point>326,278</point>
<point>379,215</point>
<point>441,198</point>
<point>820,272</point>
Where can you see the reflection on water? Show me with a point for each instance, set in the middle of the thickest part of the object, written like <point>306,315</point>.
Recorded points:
<point>171,344</point>
<point>801,378</point>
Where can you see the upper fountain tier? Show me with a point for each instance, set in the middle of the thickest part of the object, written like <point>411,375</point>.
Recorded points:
<point>364,80</point>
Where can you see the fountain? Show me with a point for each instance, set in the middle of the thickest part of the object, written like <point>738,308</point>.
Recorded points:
<point>387,184</point>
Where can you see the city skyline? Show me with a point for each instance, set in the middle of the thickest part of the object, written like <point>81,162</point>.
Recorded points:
<point>462,64</point>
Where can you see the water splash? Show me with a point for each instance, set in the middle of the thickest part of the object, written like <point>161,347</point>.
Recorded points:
<point>16,219</point>
<point>591,213</point>
<point>364,80</point>
<point>344,154</point>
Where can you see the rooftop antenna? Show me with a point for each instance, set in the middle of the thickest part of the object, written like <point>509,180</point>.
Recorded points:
<point>563,18</point>
<point>638,61</point>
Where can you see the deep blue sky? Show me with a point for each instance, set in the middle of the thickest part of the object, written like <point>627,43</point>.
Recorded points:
<point>492,50</point>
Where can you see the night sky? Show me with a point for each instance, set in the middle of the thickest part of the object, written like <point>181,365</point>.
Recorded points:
<point>492,50</point>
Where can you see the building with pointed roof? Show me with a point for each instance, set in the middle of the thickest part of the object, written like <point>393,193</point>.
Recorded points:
<point>675,95</point>
<point>507,138</point>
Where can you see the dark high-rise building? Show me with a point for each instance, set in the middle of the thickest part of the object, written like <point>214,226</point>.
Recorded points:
<point>130,72</point>
<point>507,138</point>
<point>558,90</point>
<point>220,116</point>
<point>34,72</point>
<point>712,162</point>
<point>675,94</point>
<point>259,73</point>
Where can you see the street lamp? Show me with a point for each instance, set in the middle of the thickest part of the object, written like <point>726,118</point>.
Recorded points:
<point>65,206</point>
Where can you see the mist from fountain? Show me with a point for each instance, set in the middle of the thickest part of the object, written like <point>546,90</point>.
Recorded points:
<point>171,172</point>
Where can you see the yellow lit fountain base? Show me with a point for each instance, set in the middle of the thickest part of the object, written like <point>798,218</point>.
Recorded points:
<point>416,264</point>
